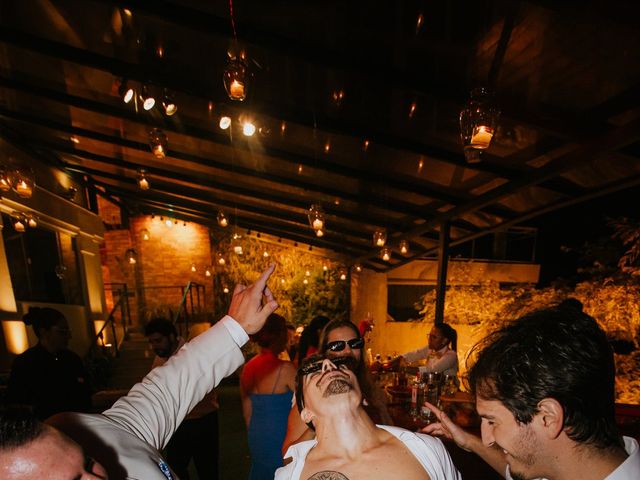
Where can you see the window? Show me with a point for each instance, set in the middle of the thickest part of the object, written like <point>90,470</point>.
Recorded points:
<point>43,265</point>
<point>405,301</point>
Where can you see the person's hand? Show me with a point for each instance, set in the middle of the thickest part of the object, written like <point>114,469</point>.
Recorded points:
<point>246,303</point>
<point>447,428</point>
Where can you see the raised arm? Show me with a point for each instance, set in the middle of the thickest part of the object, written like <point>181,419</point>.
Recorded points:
<point>445,427</point>
<point>154,408</point>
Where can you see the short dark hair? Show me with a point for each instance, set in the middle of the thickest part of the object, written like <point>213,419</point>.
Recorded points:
<point>273,333</point>
<point>557,353</point>
<point>160,325</point>
<point>43,318</point>
<point>18,427</point>
<point>333,325</point>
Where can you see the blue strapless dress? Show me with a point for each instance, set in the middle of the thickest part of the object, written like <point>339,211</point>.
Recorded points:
<point>267,429</point>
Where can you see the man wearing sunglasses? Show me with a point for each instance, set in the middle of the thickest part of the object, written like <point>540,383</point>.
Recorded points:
<point>348,444</point>
<point>341,338</point>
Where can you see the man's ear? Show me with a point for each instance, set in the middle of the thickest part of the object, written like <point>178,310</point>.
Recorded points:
<point>551,417</point>
<point>306,415</point>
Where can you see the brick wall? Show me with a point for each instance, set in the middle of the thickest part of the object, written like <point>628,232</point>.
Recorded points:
<point>163,265</point>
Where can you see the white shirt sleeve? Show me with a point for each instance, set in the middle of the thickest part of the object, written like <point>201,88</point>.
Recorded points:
<point>235,330</point>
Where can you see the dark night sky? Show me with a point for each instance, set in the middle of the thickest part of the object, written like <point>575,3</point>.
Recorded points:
<point>573,226</point>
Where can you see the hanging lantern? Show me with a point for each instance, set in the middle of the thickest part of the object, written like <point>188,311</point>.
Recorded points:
<point>168,103</point>
<point>478,123</point>
<point>225,289</point>
<point>316,219</point>
<point>193,267</point>
<point>404,247</point>
<point>207,271</point>
<point>343,274</point>
<point>385,254</point>
<point>158,143</point>
<point>126,91</point>
<point>22,182</point>
<point>379,237</point>
<point>221,260</point>
<point>131,256</point>
<point>19,222</point>
<point>143,182</point>
<point>265,254</point>
<point>5,180</point>
<point>32,220</point>
<point>236,78</point>
<point>223,221</point>
<point>357,267</point>
<point>147,98</point>
<point>225,122</point>
<point>144,233</point>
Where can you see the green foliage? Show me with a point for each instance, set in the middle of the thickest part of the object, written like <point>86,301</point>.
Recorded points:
<point>323,293</point>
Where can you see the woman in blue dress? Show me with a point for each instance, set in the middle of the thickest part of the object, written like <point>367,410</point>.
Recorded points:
<point>266,387</point>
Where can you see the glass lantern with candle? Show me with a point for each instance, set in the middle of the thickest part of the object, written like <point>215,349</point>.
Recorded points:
<point>23,182</point>
<point>478,122</point>
<point>316,219</point>
<point>379,238</point>
<point>158,143</point>
<point>236,78</point>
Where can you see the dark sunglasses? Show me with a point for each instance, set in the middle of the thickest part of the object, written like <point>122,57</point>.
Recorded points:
<point>339,345</point>
<point>349,362</point>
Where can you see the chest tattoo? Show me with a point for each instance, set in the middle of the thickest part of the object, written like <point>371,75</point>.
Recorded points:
<point>328,475</point>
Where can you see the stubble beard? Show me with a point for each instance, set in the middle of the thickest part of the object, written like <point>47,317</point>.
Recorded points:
<point>337,386</point>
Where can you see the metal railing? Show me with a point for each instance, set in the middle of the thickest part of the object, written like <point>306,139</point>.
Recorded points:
<point>188,294</point>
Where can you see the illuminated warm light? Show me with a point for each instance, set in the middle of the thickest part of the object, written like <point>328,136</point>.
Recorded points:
<point>365,145</point>
<point>160,51</point>
<point>248,128</point>
<point>299,169</point>
<point>338,96</point>
<point>238,249</point>
<point>168,222</point>
<point>5,181</point>
<point>305,281</point>
<point>481,137</point>
<point>145,234</point>
<point>385,254</point>
<point>316,219</point>
<point>207,272</point>
<point>221,260</point>
<point>225,289</point>
<point>210,107</point>
<point>358,267</point>
<point>148,101</point>
<point>419,22</point>
<point>15,336</point>
<point>223,221</point>
<point>22,182</point>
<point>131,256</point>
<point>379,238</point>
<point>235,78</point>
<point>193,267</point>
<point>127,12</point>
<point>168,103</point>
<point>143,183</point>
<point>307,273</point>
<point>32,221</point>
<point>324,267</point>
<point>19,224</point>
<point>128,95</point>
<point>158,143</point>
<point>265,254</point>
<point>283,128</point>
<point>74,139</point>
<point>327,147</point>
<point>225,122</point>
<point>412,109</point>
<point>343,275</point>
<point>404,247</point>
<point>282,281</point>
<point>420,165</point>
<point>319,233</point>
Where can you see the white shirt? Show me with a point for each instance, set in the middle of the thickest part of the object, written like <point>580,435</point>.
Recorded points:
<point>429,451</point>
<point>444,361</point>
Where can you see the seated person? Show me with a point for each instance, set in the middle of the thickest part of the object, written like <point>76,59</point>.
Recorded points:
<point>348,444</point>
<point>440,353</point>
<point>341,338</point>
